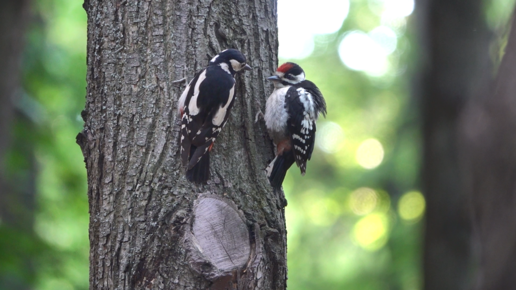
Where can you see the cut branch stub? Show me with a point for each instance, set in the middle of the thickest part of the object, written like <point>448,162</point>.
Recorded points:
<point>219,238</point>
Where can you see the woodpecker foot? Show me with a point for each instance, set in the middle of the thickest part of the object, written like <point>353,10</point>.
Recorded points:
<point>258,116</point>
<point>183,79</point>
<point>179,81</point>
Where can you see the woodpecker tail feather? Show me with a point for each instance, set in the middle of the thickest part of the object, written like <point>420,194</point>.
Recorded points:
<point>277,169</point>
<point>200,173</point>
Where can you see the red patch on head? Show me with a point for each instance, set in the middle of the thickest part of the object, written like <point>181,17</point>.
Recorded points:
<point>285,67</point>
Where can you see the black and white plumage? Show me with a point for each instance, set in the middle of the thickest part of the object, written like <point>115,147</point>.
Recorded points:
<point>290,116</point>
<point>204,106</point>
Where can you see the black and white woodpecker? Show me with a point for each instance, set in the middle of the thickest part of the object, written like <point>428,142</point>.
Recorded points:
<point>290,116</point>
<point>204,107</point>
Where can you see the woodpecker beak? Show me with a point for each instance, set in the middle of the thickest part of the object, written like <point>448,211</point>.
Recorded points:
<point>247,67</point>
<point>273,78</point>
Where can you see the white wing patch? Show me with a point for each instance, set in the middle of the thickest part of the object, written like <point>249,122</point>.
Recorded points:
<point>221,113</point>
<point>192,105</point>
<point>182,99</point>
<point>225,67</point>
<point>308,102</point>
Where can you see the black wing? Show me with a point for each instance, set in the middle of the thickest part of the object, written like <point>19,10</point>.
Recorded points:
<point>317,97</point>
<point>301,124</point>
<point>201,126</point>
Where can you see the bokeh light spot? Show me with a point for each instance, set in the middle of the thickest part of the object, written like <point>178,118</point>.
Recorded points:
<point>399,8</point>
<point>322,212</point>
<point>370,153</point>
<point>371,232</point>
<point>411,206</point>
<point>358,51</point>
<point>363,201</point>
<point>385,37</point>
<point>330,137</point>
<point>296,28</point>
<point>394,8</point>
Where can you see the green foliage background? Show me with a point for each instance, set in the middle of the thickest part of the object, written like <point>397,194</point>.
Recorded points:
<point>337,238</point>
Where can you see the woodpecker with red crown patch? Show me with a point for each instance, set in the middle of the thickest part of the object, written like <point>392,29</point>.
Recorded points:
<point>204,107</point>
<point>290,116</point>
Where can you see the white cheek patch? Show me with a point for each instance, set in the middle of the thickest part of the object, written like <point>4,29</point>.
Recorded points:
<point>192,105</point>
<point>221,113</point>
<point>235,64</point>
<point>300,77</point>
<point>289,81</point>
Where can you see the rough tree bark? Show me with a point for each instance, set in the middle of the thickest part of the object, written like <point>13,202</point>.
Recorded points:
<point>455,42</point>
<point>488,135</point>
<point>149,227</point>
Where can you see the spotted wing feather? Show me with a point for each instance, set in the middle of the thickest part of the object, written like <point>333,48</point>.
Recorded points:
<point>301,128</point>
<point>198,132</point>
<point>303,106</point>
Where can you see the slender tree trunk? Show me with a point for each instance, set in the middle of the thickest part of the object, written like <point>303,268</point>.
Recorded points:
<point>149,227</point>
<point>455,42</point>
<point>13,15</point>
<point>488,136</point>
<point>17,182</point>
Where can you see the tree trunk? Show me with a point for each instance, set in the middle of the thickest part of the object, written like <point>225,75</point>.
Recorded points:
<point>13,15</point>
<point>17,179</point>
<point>150,227</point>
<point>488,136</point>
<point>455,41</point>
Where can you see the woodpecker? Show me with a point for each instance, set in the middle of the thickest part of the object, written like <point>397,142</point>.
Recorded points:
<point>290,117</point>
<point>204,108</point>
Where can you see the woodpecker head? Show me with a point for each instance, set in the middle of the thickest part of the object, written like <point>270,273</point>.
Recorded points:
<point>230,60</point>
<point>287,74</point>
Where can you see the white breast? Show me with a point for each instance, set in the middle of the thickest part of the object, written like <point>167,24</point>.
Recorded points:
<point>276,115</point>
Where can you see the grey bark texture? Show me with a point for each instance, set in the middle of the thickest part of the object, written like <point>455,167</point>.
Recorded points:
<point>488,137</point>
<point>149,227</point>
<point>455,68</point>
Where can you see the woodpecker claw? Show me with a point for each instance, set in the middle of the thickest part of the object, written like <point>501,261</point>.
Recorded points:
<point>183,79</point>
<point>258,116</point>
<point>179,81</point>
